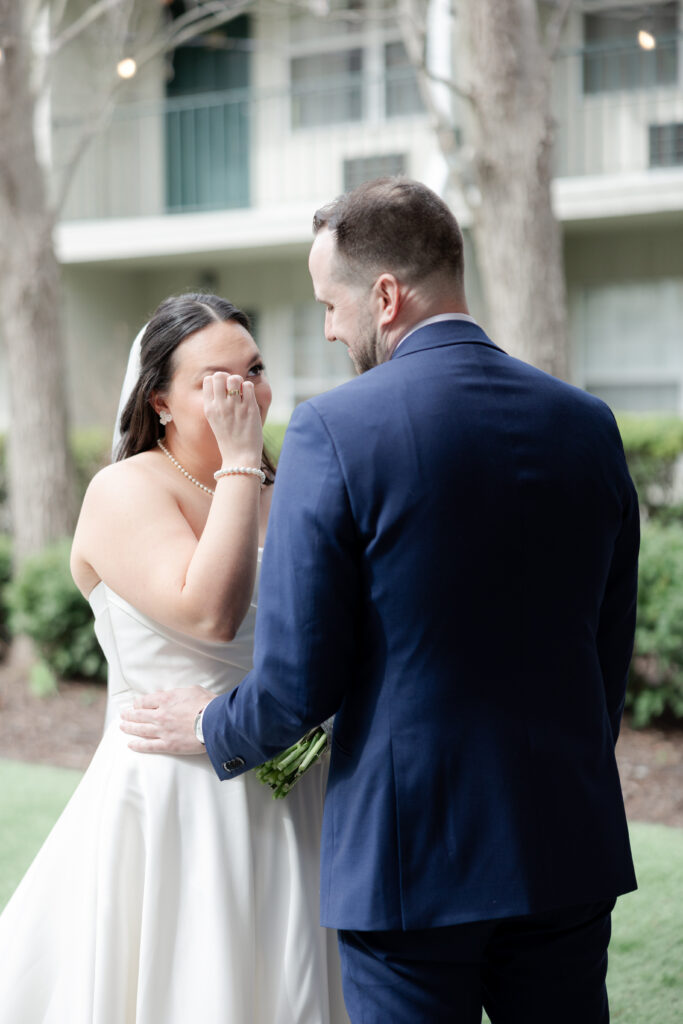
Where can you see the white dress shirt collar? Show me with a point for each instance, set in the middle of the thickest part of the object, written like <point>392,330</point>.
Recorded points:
<point>439,318</point>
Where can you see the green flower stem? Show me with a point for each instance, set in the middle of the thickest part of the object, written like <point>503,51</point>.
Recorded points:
<point>292,755</point>
<point>285,770</point>
<point>315,750</point>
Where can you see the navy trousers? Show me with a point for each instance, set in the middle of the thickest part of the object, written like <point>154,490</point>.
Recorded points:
<point>523,970</point>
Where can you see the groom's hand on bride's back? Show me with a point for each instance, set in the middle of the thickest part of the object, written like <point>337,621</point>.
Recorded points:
<point>164,722</point>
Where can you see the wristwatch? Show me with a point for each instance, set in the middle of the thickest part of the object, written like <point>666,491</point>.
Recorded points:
<point>198,731</point>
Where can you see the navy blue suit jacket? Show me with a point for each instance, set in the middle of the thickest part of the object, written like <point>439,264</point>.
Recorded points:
<point>451,569</point>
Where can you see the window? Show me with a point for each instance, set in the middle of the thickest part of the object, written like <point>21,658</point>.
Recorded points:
<point>208,137</point>
<point>629,342</point>
<point>327,88</point>
<point>401,94</point>
<point>318,364</point>
<point>356,70</point>
<point>343,17</point>
<point>666,145</point>
<point>639,397</point>
<point>365,168</point>
<point>612,58</point>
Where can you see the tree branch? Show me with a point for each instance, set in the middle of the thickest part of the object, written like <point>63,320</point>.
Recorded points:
<point>321,9</point>
<point>412,22</point>
<point>91,15</point>
<point>196,22</point>
<point>208,10</point>
<point>414,34</point>
<point>190,30</point>
<point>57,12</point>
<point>31,11</point>
<point>90,130</point>
<point>457,90</point>
<point>555,27</point>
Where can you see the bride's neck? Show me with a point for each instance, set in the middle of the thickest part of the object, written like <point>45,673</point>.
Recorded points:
<point>197,465</point>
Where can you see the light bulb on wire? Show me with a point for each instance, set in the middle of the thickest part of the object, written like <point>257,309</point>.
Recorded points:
<point>646,41</point>
<point>126,68</point>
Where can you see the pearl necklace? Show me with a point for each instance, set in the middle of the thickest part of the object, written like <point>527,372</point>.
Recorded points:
<point>183,470</point>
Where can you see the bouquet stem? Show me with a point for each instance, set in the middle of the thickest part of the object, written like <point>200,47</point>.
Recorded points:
<point>285,770</point>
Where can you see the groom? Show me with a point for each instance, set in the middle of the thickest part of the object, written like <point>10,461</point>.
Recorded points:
<point>451,570</point>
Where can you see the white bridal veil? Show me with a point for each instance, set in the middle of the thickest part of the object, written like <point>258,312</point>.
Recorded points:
<point>132,374</point>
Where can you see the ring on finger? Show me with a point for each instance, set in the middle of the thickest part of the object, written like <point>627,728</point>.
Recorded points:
<point>233,391</point>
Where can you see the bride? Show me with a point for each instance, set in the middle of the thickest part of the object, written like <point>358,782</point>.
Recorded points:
<point>162,896</point>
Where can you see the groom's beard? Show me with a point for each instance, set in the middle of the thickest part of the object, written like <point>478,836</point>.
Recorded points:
<point>368,351</point>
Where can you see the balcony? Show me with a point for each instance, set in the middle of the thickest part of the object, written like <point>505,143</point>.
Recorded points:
<point>260,160</point>
<point>245,149</point>
<point>619,109</point>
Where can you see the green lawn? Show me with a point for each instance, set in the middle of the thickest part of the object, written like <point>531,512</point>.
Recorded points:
<point>645,976</point>
<point>646,956</point>
<point>31,798</point>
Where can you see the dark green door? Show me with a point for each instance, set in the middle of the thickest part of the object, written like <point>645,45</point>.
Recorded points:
<point>207,122</point>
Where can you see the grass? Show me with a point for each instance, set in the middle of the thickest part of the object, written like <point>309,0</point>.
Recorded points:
<point>31,798</point>
<point>645,975</point>
<point>646,955</point>
<point>645,972</point>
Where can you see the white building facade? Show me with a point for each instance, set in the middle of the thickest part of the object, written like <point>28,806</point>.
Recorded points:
<point>209,171</point>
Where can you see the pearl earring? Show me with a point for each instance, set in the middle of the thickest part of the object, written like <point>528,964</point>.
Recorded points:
<point>164,417</point>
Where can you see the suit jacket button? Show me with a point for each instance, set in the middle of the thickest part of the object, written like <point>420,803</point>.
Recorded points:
<point>231,766</point>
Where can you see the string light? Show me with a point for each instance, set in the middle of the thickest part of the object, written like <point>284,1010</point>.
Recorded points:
<point>126,68</point>
<point>646,40</point>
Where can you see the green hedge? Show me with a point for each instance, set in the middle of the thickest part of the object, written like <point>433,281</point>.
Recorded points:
<point>656,683</point>
<point>273,436</point>
<point>5,576</point>
<point>43,601</point>
<point>653,446</point>
<point>91,450</point>
<point>45,604</point>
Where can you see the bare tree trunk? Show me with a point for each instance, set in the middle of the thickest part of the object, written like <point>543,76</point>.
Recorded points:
<point>517,237</point>
<point>40,474</point>
<point>40,471</point>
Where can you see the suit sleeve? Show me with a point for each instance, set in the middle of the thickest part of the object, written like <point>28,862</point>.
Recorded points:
<point>616,628</point>
<point>307,619</point>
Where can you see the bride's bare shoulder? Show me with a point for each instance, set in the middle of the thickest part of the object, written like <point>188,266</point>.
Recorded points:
<point>114,504</point>
<point>127,482</point>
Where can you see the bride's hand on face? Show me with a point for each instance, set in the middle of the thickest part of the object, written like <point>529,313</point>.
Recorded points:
<point>234,416</point>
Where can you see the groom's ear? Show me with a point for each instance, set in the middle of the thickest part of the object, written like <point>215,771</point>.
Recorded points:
<point>387,292</point>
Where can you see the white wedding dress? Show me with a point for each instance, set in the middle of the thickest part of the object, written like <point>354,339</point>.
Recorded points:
<point>162,895</point>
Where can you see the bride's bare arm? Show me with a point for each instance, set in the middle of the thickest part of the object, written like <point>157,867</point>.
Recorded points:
<point>133,532</point>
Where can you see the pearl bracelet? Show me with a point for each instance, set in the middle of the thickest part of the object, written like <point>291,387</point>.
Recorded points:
<point>240,471</point>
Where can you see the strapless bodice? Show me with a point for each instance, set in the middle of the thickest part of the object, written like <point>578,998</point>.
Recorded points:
<point>143,655</point>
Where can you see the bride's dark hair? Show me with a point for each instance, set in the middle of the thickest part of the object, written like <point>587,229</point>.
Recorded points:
<point>175,319</point>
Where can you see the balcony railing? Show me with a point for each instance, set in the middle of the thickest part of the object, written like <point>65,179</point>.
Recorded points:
<point>616,114</point>
<point>619,109</point>
<point>245,148</point>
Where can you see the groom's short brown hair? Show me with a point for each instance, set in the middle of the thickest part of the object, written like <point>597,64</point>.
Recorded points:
<point>394,225</point>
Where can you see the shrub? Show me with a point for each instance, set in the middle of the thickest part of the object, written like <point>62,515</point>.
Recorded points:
<point>5,577</point>
<point>273,436</point>
<point>654,446</point>
<point>4,496</point>
<point>91,450</point>
<point>656,684</point>
<point>45,604</point>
